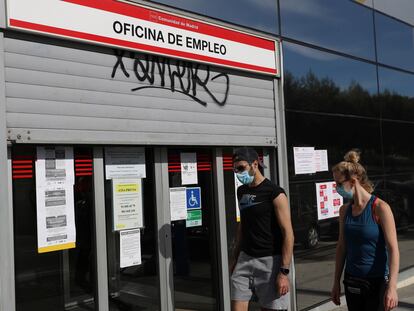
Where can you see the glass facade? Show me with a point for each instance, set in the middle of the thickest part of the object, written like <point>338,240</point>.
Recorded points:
<point>337,102</point>
<point>343,26</point>
<point>395,42</point>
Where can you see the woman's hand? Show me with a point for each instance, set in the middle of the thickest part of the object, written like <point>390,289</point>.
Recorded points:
<point>390,298</point>
<point>336,293</point>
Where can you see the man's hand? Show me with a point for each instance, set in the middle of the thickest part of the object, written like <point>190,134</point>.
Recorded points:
<point>390,298</point>
<point>282,284</point>
<point>336,293</point>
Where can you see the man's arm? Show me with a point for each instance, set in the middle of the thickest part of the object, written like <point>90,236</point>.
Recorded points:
<point>282,212</point>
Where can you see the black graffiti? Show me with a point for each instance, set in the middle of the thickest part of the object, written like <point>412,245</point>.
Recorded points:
<point>184,77</point>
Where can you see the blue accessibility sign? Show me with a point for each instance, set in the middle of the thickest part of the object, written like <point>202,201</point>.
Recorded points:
<point>193,197</point>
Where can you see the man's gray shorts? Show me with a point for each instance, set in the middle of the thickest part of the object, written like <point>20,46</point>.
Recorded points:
<point>255,278</point>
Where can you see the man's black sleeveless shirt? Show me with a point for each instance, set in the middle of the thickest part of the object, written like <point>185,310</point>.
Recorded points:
<point>261,234</point>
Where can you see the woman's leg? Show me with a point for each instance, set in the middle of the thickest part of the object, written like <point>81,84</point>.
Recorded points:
<point>354,299</point>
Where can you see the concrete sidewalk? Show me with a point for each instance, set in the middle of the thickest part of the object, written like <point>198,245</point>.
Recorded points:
<point>405,296</point>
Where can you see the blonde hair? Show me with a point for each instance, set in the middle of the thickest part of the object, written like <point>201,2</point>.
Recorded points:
<point>351,167</point>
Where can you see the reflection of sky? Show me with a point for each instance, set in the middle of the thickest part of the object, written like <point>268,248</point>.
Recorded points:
<point>395,81</point>
<point>339,25</point>
<point>258,14</point>
<point>401,9</point>
<point>299,60</point>
<point>395,42</point>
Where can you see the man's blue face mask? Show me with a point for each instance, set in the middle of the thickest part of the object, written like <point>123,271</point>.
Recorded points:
<point>245,178</point>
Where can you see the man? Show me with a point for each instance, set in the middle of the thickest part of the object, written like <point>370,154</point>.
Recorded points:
<point>264,242</point>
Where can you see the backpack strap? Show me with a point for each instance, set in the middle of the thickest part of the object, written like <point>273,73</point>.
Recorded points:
<point>375,217</point>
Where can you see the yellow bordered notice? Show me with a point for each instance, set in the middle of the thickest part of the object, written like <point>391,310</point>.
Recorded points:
<point>53,248</point>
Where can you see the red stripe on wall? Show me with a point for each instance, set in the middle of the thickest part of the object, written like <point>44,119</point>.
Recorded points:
<point>22,167</point>
<point>83,164</point>
<point>203,163</point>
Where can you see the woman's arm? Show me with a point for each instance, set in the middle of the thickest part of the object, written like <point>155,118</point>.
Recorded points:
<point>340,257</point>
<point>386,220</point>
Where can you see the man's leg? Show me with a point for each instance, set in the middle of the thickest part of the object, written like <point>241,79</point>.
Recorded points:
<point>238,305</point>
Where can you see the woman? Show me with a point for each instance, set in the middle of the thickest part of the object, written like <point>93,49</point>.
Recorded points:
<point>367,243</point>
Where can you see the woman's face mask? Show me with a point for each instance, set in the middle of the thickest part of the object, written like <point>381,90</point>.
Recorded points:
<point>344,193</point>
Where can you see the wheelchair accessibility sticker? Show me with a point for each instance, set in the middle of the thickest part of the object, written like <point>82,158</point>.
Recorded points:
<point>193,197</point>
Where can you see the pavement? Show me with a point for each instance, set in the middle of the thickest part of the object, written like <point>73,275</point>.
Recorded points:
<point>314,270</point>
<point>405,297</point>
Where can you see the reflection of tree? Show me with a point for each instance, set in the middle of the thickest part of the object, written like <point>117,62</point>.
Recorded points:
<point>396,106</point>
<point>310,93</point>
<point>336,126</point>
<point>323,114</point>
<point>323,95</point>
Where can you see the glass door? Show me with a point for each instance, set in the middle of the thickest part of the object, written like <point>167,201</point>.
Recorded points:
<point>193,229</point>
<point>131,230</point>
<point>61,277</point>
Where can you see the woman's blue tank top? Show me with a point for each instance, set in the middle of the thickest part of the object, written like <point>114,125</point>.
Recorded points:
<point>367,254</point>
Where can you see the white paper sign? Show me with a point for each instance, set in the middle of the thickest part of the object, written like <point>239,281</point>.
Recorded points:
<point>328,201</point>
<point>127,203</point>
<point>189,168</point>
<point>178,203</point>
<point>237,184</point>
<point>125,162</point>
<point>321,160</point>
<point>55,218</point>
<point>54,166</point>
<point>130,248</point>
<point>304,160</point>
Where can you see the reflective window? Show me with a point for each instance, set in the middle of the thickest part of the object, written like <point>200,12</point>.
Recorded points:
<point>324,82</point>
<point>395,42</point>
<point>194,240</point>
<point>315,238</point>
<point>398,187</point>
<point>60,279</point>
<point>401,9</point>
<point>133,285</point>
<point>339,25</point>
<point>398,149</point>
<point>396,94</point>
<point>260,15</point>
